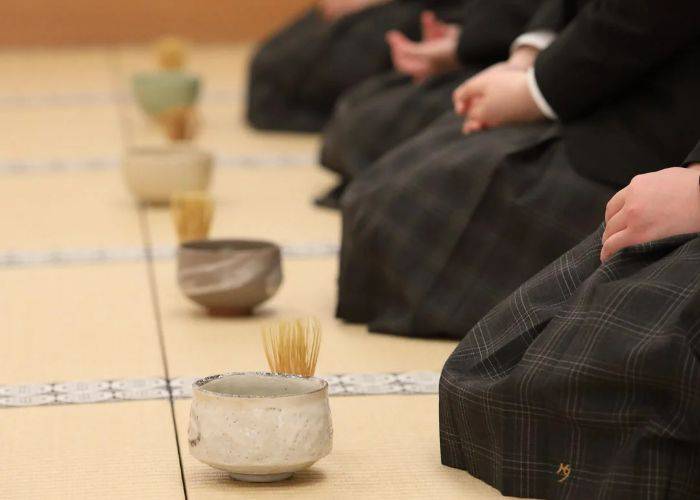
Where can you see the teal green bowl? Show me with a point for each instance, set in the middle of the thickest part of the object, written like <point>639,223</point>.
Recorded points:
<point>165,90</point>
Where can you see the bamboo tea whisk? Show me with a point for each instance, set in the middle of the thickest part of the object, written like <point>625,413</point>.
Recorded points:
<point>171,53</point>
<point>192,213</point>
<point>292,347</point>
<point>179,124</point>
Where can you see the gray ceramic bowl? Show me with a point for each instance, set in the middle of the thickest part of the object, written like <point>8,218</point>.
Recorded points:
<point>161,91</point>
<point>260,427</point>
<point>229,277</point>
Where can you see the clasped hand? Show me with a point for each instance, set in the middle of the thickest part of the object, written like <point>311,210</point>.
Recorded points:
<point>435,54</point>
<point>653,206</point>
<point>499,95</point>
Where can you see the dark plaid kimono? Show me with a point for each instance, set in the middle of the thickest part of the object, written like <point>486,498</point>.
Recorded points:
<point>381,113</point>
<point>297,75</point>
<point>585,382</point>
<point>445,226</point>
<point>388,109</point>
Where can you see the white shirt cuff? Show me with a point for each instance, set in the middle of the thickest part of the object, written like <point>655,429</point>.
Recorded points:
<point>537,39</point>
<point>537,96</point>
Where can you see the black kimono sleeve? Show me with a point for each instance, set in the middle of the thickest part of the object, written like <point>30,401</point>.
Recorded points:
<point>552,15</point>
<point>490,26</point>
<point>608,46</point>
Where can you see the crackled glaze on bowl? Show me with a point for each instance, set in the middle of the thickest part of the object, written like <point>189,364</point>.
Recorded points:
<point>260,427</point>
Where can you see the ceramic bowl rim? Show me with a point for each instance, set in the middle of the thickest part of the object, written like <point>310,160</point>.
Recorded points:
<point>198,385</point>
<point>228,244</point>
<point>157,76</point>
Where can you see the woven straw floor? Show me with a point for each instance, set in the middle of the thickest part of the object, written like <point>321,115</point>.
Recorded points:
<point>79,302</point>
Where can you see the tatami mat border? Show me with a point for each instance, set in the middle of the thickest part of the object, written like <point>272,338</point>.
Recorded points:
<point>109,255</point>
<point>104,163</point>
<point>105,391</point>
<point>97,98</point>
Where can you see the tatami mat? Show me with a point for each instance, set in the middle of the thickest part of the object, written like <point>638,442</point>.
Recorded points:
<point>69,113</point>
<point>118,451</point>
<point>197,344</point>
<point>271,203</point>
<point>71,209</point>
<point>77,323</point>
<point>384,447</point>
<point>59,132</point>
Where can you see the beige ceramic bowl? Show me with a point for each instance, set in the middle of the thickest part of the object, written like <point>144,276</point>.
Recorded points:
<point>153,174</point>
<point>229,277</point>
<point>260,427</point>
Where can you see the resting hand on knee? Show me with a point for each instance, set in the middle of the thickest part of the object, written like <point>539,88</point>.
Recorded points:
<point>652,207</point>
<point>335,9</point>
<point>434,55</point>
<point>497,96</point>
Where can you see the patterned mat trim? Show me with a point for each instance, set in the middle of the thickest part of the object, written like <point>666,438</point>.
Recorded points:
<point>101,98</point>
<point>110,255</point>
<point>269,160</point>
<point>144,389</point>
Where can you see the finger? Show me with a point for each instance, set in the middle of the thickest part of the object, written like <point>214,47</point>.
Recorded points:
<point>464,106</point>
<point>405,61</point>
<point>459,104</point>
<point>394,37</point>
<point>416,69</point>
<point>472,126</point>
<point>401,54</point>
<point>472,88</point>
<point>427,19</point>
<point>617,223</point>
<point>617,242</point>
<point>615,204</point>
<point>429,25</point>
<point>407,55</point>
<point>473,114</point>
<point>466,91</point>
<point>476,108</point>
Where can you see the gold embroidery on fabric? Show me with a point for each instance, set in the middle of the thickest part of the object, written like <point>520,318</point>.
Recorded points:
<point>563,472</point>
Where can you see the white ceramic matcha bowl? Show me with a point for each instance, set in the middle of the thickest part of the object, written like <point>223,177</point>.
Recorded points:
<point>260,427</point>
<point>153,174</point>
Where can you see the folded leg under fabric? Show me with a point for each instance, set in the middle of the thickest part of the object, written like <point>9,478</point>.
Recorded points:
<point>297,75</point>
<point>382,113</point>
<point>446,226</point>
<point>585,382</point>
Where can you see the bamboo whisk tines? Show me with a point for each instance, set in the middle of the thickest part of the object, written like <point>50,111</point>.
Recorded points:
<point>192,213</point>
<point>292,347</point>
<point>171,53</point>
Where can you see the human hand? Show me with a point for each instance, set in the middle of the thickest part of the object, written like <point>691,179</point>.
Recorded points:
<point>497,96</point>
<point>435,54</point>
<point>333,10</point>
<point>653,206</point>
<point>432,28</point>
<point>523,57</point>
